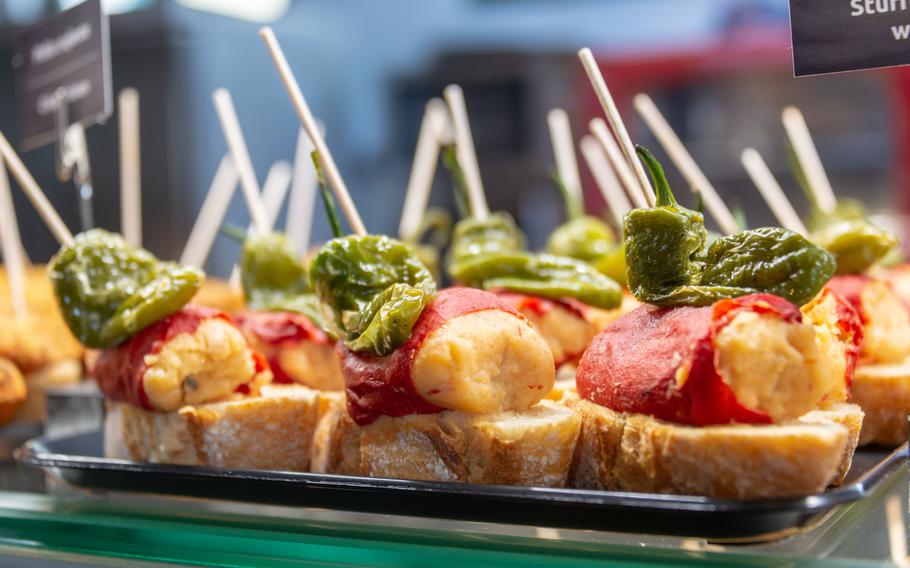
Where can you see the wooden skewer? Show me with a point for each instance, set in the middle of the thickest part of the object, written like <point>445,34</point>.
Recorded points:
<point>615,120</point>
<point>426,157</point>
<point>130,167</point>
<point>769,188</point>
<point>602,134</point>
<point>274,190</point>
<point>464,149</point>
<point>12,248</point>
<point>303,193</point>
<point>686,164</point>
<point>237,147</point>
<point>807,155</point>
<point>309,124</point>
<point>215,205</point>
<point>34,193</point>
<point>564,152</point>
<point>609,185</point>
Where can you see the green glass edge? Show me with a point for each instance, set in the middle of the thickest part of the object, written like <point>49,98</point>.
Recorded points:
<point>73,526</point>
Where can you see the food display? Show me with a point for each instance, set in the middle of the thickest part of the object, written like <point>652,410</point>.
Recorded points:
<point>704,388</point>
<point>182,383</point>
<point>39,346</point>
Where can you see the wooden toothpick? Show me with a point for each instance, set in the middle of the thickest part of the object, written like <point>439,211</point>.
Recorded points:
<point>426,157</point>
<point>464,150</point>
<point>605,178</point>
<point>28,184</point>
<point>130,167</point>
<point>615,120</point>
<point>807,155</point>
<point>683,160</point>
<point>769,188</point>
<point>602,134</point>
<point>312,128</point>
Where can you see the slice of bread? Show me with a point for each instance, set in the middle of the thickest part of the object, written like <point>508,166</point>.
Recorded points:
<point>635,452</point>
<point>883,392</point>
<point>850,416</point>
<point>63,373</point>
<point>531,448</point>
<point>272,431</point>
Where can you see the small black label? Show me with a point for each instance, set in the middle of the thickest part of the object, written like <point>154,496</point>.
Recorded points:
<point>846,35</point>
<point>69,50</point>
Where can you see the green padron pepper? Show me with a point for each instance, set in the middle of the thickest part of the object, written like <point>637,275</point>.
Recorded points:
<point>856,245</point>
<point>473,237</point>
<point>109,290</point>
<point>670,264</point>
<point>613,265</point>
<point>274,278</point>
<point>544,275</point>
<point>586,238</point>
<point>372,289</point>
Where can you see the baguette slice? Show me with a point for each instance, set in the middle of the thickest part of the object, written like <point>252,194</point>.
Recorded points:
<point>635,452</point>
<point>532,448</point>
<point>273,431</point>
<point>883,392</point>
<point>850,416</point>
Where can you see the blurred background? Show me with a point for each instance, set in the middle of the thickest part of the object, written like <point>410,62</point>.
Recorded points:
<point>720,70</point>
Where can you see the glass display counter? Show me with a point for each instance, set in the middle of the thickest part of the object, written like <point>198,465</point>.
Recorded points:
<point>44,522</point>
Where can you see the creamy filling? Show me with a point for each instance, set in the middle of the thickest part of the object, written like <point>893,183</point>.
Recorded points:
<point>200,367</point>
<point>484,362</point>
<point>772,366</point>
<point>312,364</point>
<point>821,314</point>
<point>887,324</point>
<point>567,334</point>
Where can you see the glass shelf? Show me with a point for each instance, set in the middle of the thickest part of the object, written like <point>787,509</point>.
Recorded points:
<point>48,520</point>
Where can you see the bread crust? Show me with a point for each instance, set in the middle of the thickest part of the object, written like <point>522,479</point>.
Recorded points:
<point>273,431</point>
<point>851,417</point>
<point>529,448</point>
<point>635,452</point>
<point>883,392</point>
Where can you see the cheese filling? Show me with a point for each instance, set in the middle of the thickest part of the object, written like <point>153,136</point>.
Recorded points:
<point>887,324</point>
<point>312,364</point>
<point>200,367</point>
<point>821,314</point>
<point>567,334</point>
<point>773,366</point>
<point>484,362</point>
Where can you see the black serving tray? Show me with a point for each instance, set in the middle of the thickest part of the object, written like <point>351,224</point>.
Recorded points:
<point>79,460</point>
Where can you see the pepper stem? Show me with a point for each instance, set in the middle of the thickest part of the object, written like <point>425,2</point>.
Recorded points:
<point>799,175</point>
<point>574,206</point>
<point>331,209</point>
<point>233,232</point>
<point>450,161</point>
<point>664,195</point>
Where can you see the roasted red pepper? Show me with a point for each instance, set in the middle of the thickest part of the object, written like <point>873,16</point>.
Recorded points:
<point>382,386</point>
<point>635,364</point>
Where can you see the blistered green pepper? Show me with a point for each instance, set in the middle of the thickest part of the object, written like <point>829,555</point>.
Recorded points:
<point>856,245</point>
<point>846,231</point>
<point>372,288</point>
<point>669,264</point>
<point>543,275</point>
<point>109,290</point>
<point>473,237</point>
<point>613,265</point>
<point>274,278</point>
<point>585,238</point>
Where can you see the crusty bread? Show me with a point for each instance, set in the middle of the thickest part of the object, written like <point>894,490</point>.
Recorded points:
<point>850,416</point>
<point>883,392</point>
<point>336,443</point>
<point>63,373</point>
<point>12,390</point>
<point>635,452</point>
<point>272,431</point>
<point>531,448</point>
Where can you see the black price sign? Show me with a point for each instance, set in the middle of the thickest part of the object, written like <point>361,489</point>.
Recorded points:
<point>847,35</point>
<point>69,51</point>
